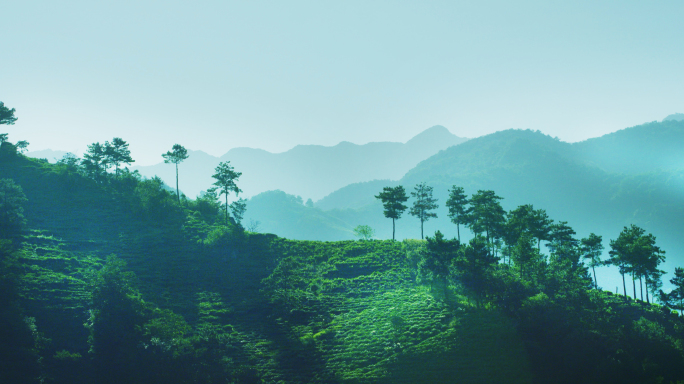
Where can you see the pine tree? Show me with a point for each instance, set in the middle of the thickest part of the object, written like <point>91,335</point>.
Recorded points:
<point>176,155</point>
<point>423,204</point>
<point>393,199</point>
<point>458,211</point>
<point>225,182</point>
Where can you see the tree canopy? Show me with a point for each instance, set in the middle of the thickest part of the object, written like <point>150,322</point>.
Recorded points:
<point>176,155</point>
<point>423,204</point>
<point>393,199</point>
<point>458,211</point>
<point>12,199</point>
<point>117,153</point>
<point>6,115</point>
<point>225,183</point>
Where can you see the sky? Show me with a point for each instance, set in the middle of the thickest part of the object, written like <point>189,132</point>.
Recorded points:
<point>214,75</point>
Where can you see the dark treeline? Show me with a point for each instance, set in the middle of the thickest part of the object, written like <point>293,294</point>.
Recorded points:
<point>516,236</point>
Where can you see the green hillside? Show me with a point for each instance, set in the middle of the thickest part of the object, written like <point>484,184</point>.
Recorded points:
<point>570,181</point>
<point>644,148</point>
<point>111,280</point>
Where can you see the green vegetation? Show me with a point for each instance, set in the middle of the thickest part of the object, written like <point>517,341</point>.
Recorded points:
<point>423,204</point>
<point>393,199</point>
<point>176,155</point>
<point>170,291</point>
<point>364,232</point>
<point>225,177</point>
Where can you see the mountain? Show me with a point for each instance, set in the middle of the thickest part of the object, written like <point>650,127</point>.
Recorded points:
<point>675,116</point>
<point>112,280</point>
<point>310,171</point>
<point>582,183</point>
<point>644,148</point>
<point>49,154</point>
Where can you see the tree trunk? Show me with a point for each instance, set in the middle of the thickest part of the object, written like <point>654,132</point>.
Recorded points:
<point>458,230</point>
<point>634,286</point>
<point>226,209</point>
<point>595,283</point>
<point>393,229</point>
<point>624,286</point>
<point>647,300</point>
<point>177,190</point>
<point>421,229</point>
<point>641,288</point>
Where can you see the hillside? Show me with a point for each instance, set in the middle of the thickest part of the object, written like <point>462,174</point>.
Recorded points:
<point>188,300</point>
<point>572,182</point>
<point>645,148</point>
<point>309,171</point>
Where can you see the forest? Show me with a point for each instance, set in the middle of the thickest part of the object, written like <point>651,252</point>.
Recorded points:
<point>109,277</point>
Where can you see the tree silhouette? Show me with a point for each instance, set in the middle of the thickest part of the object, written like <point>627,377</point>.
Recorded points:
<point>541,226</point>
<point>457,207</point>
<point>423,204</point>
<point>676,296</point>
<point>12,199</point>
<point>592,247</point>
<point>439,257</point>
<point>524,253</point>
<point>117,153</point>
<point>364,232</point>
<point>563,243</point>
<point>176,155</point>
<point>646,257</point>
<point>621,253</point>
<point>486,215</point>
<point>94,161</point>
<point>393,200</point>
<point>225,182</point>
<point>238,208</point>
<point>474,267</point>
<point>6,115</point>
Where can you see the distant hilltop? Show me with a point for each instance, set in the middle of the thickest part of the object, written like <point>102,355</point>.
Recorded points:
<point>675,117</point>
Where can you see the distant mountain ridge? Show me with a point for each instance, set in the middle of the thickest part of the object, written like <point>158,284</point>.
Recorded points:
<point>310,171</point>
<point>632,176</point>
<point>675,116</point>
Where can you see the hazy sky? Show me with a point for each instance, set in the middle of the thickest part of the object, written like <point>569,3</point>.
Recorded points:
<point>213,75</point>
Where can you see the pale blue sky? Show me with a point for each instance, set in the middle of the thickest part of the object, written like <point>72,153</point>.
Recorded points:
<point>213,75</point>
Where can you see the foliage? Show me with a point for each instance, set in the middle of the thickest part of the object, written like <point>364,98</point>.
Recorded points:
<point>457,207</point>
<point>22,146</point>
<point>226,177</point>
<point>423,205</point>
<point>475,268</point>
<point>238,208</point>
<point>197,302</point>
<point>12,199</point>
<point>592,248</point>
<point>364,232</point>
<point>95,161</point>
<point>176,155</point>
<point>6,115</point>
<point>117,153</point>
<point>486,215</point>
<point>19,344</point>
<point>393,199</point>
<point>438,260</point>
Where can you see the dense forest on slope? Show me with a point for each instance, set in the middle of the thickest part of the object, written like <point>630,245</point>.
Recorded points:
<point>112,278</point>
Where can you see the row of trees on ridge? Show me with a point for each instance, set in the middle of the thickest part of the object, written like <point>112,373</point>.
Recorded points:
<point>515,237</point>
